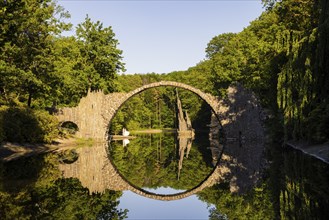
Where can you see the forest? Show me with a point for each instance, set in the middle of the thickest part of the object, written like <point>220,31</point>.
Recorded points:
<point>281,56</point>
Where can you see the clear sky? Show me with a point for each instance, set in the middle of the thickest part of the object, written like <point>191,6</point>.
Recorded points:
<point>162,36</point>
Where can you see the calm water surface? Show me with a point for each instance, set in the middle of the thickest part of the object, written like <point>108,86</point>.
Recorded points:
<point>78,184</point>
<point>164,160</point>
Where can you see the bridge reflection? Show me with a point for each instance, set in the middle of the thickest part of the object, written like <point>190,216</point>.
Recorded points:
<point>97,173</point>
<point>241,164</point>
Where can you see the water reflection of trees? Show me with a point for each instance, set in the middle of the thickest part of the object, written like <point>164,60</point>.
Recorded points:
<point>33,188</point>
<point>152,161</point>
<point>255,204</point>
<point>302,191</point>
<point>295,186</point>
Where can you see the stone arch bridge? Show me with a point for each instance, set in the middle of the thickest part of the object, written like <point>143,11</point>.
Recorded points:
<point>96,172</point>
<point>93,116</point>
<point>95,111</point>
<point>239,115</point>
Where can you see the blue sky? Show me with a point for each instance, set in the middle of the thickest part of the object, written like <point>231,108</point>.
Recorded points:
<point>165,35</point>
<point>144,208</point>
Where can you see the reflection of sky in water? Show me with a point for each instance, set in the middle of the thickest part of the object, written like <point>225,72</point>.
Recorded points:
<point>144,208</point>
<point>164,190</point>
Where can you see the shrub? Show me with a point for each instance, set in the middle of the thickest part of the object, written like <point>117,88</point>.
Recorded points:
<point>48,124</point>
<point>2,131</point>
<point>317,124</point>
<point>25,125</point>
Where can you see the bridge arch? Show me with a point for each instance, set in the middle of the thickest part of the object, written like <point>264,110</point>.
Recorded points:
<point>208,98</point>
<point>208,181</point>
<point>95,112</point>
<point>68,126</point>
<point>212,179</point>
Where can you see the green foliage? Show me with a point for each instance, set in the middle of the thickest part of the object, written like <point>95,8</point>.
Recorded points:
<point>281,57</point>
<point>156,109</point>
<point>25,125</point>
<point>67,199</point>
<point>198,76</point>
<point>255,204</point>
<point>72,81</point>
<point>32,188</point>
<point>2,131</point>
<point>218,44</point>
<point>28,28</point>
<point>100,58</point>
<point>127,83</point>
<point>37,64</point>
<point>268,4</point>
<point>39,68</point>
<point>317,124</point>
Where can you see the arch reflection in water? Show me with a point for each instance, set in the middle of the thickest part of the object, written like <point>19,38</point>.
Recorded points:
<point>94,170</point>
<point>97,173</point>
<point>153,161</point>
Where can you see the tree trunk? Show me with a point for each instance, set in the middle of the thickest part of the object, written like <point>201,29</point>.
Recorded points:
<point>29,100</point>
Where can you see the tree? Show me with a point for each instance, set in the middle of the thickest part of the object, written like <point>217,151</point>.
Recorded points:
<point>72,81</point>
<point>26,45</point>
<point>100,58</point>
<point>218,43</point>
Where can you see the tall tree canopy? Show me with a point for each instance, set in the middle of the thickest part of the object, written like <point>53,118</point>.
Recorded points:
<point>37,63</point>
<point>100,59</point>
<point>281,57</point>
<point>28,28</point>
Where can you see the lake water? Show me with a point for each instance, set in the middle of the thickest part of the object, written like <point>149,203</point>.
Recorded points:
<point>163,161</point>
<point>79,184</point>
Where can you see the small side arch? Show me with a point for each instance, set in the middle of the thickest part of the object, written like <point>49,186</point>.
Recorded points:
<point>68,127</point>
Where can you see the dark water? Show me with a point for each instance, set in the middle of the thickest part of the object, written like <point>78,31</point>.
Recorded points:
<point>77,184</point>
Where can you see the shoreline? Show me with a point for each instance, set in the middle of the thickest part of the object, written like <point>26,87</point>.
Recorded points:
<point>154,131</point>
<point>12,151</point>
<point>318,151</point>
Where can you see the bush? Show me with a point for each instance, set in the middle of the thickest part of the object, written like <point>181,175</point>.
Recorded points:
<point>48,124</point>
<point>24,125</point>
<point>2,131</point>
<point>317,124</point>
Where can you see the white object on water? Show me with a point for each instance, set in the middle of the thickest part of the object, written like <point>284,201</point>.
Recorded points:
<point>125,142</point>
<point>125,132</point>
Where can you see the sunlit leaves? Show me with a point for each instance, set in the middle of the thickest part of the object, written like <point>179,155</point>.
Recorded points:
<point>26,48</point>
<point>100,57</point>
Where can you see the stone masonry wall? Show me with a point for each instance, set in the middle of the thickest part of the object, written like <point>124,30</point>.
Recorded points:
<point>96,172</point>
<point>90,114</point>
<point>95,111</point>
<point>242,119</point>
